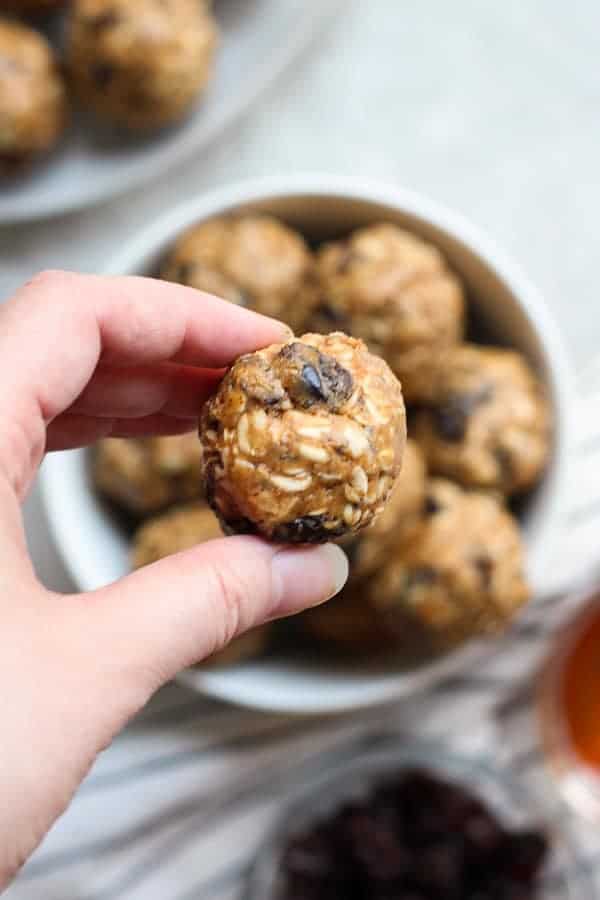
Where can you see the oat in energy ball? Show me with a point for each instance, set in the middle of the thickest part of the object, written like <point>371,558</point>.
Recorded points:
<point>33,104</point>
<point>179,529</point>
<point>372,548</point>
<point>140,64</point>
<point>254,261</point>
<point>303,441</point>
<point>144,475</point>
<point>488,424</point>
<point>395,291</point>
<point>461,574</point>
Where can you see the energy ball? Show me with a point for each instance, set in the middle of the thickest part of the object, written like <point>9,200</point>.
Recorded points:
<point>33,103</point>
<point>404,511</point>
<point>140,64</point>
<point>179,529</point>
<point>461,574</point>
<point>303,441</point>
<point>145,475</point>
<point>254,261</point>
<point>241,649</point>
<point>395,291</point>
<point>347,624</point>
<point>488,424</point>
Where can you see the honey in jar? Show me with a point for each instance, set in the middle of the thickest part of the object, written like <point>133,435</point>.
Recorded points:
<point>570,712</point>
<point>581,693</point>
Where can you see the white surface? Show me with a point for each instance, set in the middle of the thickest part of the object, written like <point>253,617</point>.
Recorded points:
<point>94,548</point>
<point>259,38</point>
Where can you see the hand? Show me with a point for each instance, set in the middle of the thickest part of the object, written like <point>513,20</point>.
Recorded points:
<point>82,358</point>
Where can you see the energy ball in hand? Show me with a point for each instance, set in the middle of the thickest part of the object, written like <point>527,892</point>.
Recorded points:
<point>303,441</point>
<point>393,290</point>
<point>140,64</point>
<point>488,424</point>
<point>254,261</point>
<point>33,103</point>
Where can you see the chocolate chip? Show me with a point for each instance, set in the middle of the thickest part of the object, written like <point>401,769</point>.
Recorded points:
<point>432,505</point>
<point>422,575</point>
<point>102,74</point>
<point>485,568</point>
<point>307,530</point>
<point>332,314</point>
<point>451,417</point>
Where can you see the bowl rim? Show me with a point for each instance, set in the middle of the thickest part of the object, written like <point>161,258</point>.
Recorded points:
<point>559,376</point>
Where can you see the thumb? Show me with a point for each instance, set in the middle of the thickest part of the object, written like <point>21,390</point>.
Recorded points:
<point>182,609</point>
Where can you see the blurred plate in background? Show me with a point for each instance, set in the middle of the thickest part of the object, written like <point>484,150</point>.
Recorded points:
<point>259,39</point>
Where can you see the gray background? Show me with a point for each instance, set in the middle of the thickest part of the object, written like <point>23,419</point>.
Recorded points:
<point>492,108</point>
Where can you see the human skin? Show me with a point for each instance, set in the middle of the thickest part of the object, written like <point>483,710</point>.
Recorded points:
<point>81,358</point>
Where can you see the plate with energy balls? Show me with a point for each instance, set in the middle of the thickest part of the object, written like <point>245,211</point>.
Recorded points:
<point>100,96</point>
<point>446,494</point>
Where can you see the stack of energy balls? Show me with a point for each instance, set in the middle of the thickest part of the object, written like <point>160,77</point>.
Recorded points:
<point>137,65</point>
<point>444,561</point>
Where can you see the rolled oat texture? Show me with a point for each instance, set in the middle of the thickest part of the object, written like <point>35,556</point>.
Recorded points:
<point>145,475</point>
<point>395,291</point>
<point>303,441</point>
<point>253,261</point>
<point>140,64</point>
<point>488,424</point>
<point>33,97</point>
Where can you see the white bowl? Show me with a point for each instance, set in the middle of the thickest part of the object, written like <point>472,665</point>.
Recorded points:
<point>96,552</point>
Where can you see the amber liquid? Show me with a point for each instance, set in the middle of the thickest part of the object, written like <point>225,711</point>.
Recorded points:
<point>580,694</point>
<point>570,712</point>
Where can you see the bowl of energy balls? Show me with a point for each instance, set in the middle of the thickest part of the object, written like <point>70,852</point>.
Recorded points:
<point>446,493</point>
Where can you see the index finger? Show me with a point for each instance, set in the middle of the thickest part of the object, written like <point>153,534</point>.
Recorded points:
<point>57,328</point>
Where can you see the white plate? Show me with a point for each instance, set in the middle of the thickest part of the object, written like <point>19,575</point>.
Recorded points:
<point>259,39</point>
<point>96,552</point>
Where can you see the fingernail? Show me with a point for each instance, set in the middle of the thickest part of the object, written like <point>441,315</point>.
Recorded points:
<point>305,577</point>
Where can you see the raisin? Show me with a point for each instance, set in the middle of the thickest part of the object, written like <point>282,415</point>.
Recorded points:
<point>313,377</point>
<point>312,380</point>
<point>432,506</point>
<point>307,530</point>
<point>102,74</point>
<point>522,856</point>
<point>332,314</point>
<point>451,417</point>
<point>485,568</point>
